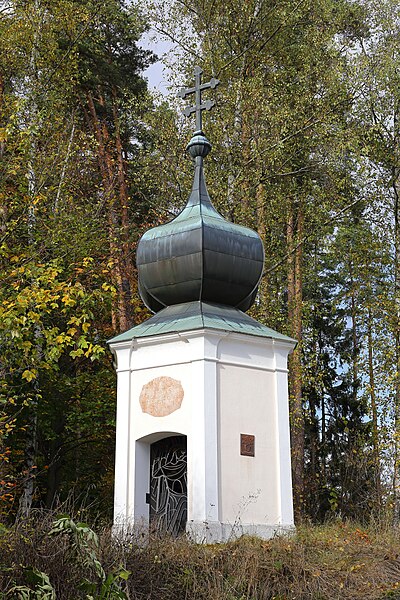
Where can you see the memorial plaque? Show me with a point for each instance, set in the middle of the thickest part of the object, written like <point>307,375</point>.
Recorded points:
<point>161,396</point>
<point>247,444</point>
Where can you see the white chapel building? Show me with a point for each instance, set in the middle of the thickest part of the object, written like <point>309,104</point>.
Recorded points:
<point>202,439</point>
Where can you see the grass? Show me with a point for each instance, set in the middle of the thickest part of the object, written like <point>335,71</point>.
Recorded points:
<point>333,561</point>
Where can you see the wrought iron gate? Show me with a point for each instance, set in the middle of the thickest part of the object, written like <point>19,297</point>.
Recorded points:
<point>168,485</point>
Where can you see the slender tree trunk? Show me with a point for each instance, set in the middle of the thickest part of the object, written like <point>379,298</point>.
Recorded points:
<point>28,484</point>
<point>354,332</point>
<point>2,142</point>
<point>294,234</point>
<point>323,440</point>
<point>396,190</point>
<point>261,230</point>
<point>396,210</point>
<point>314,481</point>
<point>246,203</point>
<point>375,435</point>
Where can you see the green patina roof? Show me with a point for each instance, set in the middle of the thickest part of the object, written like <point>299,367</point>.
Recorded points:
<point>199,315</point>
<point>193,216</point>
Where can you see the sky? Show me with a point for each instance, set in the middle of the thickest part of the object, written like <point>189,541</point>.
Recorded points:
<point>157,73</point>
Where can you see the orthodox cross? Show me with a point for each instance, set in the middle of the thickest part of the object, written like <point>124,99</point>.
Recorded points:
<point>197,89</point>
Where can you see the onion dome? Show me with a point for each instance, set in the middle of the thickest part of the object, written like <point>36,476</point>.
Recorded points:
<point>199,255</point>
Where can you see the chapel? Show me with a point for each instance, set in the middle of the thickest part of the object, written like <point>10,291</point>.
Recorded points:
<point>202,439</point>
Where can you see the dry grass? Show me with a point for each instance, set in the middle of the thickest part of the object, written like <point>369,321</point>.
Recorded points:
<point>334,561</point>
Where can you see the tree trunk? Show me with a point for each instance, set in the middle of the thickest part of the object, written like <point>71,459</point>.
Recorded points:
<point>313,481</point>
<point>2,142</point>
<point>354,333</point>
<point>295,222</point>
<point>261,230</point>
<point>396,210</point>
<point>121,311</point>
<point>396,190</point>
<point>28,483</point>
<point>375,436</point>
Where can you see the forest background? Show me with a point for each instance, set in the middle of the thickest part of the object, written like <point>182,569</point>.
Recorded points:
<point>306,150</point>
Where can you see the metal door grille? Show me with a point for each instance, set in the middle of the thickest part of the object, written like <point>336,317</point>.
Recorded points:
<point>168,485</point>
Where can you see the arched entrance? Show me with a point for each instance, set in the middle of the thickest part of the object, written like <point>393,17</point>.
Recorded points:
<point>168,485</point>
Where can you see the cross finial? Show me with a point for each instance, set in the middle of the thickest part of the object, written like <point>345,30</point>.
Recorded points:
<point>197,89</point>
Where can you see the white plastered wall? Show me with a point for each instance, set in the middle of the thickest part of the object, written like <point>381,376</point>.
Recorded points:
<point>232,383</point>
<point>253,400</point>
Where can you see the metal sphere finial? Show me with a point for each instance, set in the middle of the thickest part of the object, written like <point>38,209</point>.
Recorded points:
<point>199,145</point>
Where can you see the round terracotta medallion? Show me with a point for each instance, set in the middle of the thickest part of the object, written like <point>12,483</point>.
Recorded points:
<point>161,396</point>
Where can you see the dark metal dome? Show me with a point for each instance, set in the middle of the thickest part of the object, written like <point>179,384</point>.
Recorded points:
<point>199,256</point>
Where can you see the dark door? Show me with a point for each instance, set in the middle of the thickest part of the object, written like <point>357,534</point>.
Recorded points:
<point>168,485</point>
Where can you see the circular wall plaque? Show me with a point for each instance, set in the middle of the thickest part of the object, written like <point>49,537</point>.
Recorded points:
<point>161,396</point>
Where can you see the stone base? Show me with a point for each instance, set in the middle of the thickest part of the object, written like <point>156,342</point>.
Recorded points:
<point>199,532</point>
<point>216,532</point>
<point>128,530</point>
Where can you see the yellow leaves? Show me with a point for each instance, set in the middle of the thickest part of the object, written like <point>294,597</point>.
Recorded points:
<point>37,198</point>
<point>21,301</point>
<point>74,320</point>
<point>26,346</point>
<point>108,288</point>
<point>76,353</point>
<point>29,375</point>
<point>87,349</point>
<point>68,301</point>
<point>3,134</point>
<point>45,316</point>
<point>65,338</point>
<point>78,322</point>
<point>34,316</point>
<point>82,342</point>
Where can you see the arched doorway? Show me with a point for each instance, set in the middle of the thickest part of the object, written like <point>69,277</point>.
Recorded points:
<point>168,485</point>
